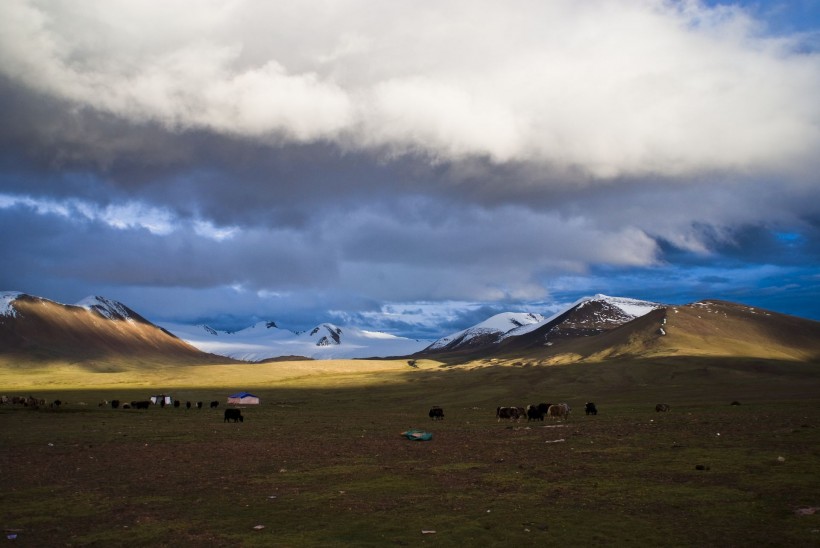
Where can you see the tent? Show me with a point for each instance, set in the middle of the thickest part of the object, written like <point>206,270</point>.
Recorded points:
<point>162,399</point>
<point>243,398</point>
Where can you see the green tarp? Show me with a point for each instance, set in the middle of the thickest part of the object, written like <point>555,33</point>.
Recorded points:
<point>417,435</point>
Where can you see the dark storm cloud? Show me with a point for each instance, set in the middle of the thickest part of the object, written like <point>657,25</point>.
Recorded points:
<point>95,251</point>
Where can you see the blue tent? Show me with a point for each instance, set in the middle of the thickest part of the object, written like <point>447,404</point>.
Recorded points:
<point>243,398</point>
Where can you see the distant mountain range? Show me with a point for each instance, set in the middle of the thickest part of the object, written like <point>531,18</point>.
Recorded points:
<point>592,328</point>
<point>265,340</point>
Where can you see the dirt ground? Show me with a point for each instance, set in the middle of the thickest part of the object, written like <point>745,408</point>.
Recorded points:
<point>296,474</point>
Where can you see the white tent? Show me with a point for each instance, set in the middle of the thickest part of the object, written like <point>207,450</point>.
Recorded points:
<point>162,399</point>
<point>243,398</point>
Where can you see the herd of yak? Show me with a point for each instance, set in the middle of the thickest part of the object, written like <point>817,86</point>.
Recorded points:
<point>538,412</point>
<point>532,412</point>
<point>234,415</point>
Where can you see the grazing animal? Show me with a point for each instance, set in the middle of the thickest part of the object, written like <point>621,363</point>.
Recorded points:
<point>141,404</point>
<point>436,413</point>
<point>187,405</point>
<point>512,413</point>
<point>534,413</point>
<point>115,404</point>
<point>590,408</point>
<point>234,415</point>
<point>735,403</point>
<point>502,413</point>
<point>199,405</point>
<point>176,404</point>
<point>662,407</point>
<point>214,404</point>
<point>558,411</point>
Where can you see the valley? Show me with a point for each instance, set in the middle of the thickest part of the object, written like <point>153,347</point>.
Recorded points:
<point>322,460</point>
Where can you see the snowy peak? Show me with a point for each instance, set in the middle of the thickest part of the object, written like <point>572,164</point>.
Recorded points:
<point>633,308</point>
<point>326,341</point>
<point>109,309</point>
<point>590,316</point>
<point>489,331</point>
<point>326,335</point>
<point>7,299</point>
<point>585,317</point>
<point>595,315</point>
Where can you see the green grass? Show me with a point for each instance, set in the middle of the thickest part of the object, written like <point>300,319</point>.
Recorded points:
<point>321,462</point>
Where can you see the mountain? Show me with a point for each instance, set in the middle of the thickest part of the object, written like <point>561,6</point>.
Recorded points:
<point>99,332</point>
<point>96,330</point>
<point>508,332</point>
<point>265,340</point>
<point>488,332</point>
<point>711,329</point>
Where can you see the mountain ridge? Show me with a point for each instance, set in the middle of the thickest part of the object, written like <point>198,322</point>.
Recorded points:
<point>591,329</point>
<point>585,317</point>
<point>265,341</point>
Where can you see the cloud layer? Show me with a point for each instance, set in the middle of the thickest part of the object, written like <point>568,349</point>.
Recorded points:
<point>608,88</point>
<point>373,152</point>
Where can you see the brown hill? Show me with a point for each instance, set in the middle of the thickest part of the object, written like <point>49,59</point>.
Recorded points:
<point>702,329</point>
<point>39,330</point>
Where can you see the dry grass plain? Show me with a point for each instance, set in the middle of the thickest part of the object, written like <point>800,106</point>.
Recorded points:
<point>321,462</point>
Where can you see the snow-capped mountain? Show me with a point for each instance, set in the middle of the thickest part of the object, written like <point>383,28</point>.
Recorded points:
<point>265,340</point>
<point>586,316</point>
<point>110,336</point>
<point>109,309</point>
<point>596,314</point>
<point>96,330</point>
<point>7,299</point>
<point>489,331</point>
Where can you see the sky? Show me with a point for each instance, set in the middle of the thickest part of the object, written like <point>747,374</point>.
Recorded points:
<point>409,167</point>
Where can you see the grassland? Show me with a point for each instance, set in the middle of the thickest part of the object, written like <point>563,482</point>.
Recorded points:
<point>321,462</point>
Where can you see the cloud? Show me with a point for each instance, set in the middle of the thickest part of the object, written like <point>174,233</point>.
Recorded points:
<point>240,160</point>
<point>609,88</point>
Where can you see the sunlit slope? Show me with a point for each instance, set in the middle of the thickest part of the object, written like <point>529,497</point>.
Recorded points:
<point>326,374</point>
<point>706,328</point>
<point>43,331</point>
<point>719,328</point>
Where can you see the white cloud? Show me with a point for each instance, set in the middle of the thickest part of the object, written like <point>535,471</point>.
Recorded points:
<point>135,215</point>
<point>121,216</point>
<point>610,88</point>
<point>207,229</point>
